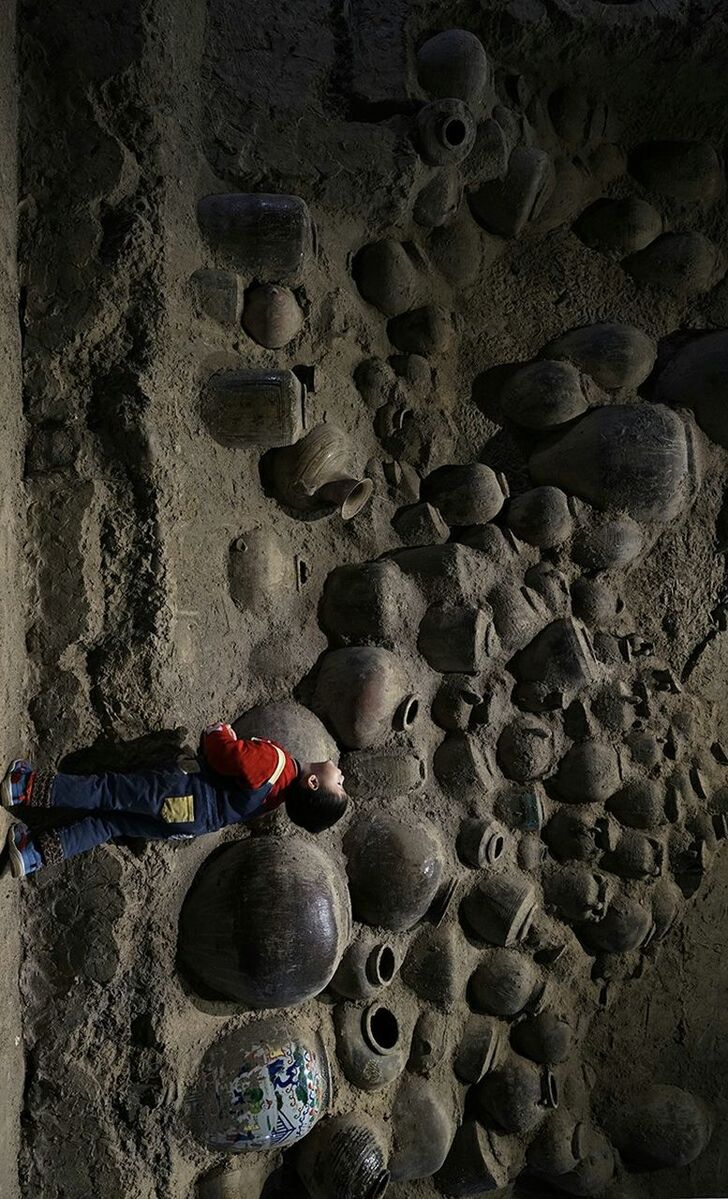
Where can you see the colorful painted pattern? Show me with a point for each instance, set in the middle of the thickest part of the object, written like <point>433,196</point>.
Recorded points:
<point>277,1096</point>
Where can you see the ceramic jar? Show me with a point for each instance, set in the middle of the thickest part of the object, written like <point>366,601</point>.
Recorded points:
<point>264,1086</point>
<point>344,1158</point>
<point>317,471</point>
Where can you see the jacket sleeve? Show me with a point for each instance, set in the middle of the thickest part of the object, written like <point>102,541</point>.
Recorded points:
<point>252,761</point>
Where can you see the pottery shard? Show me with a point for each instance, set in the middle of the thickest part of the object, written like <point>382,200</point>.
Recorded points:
<point>681,263</point>
<point>684,170</point>
<point>425,330</point>
<point>543,394</point>
<point>619,226</point>
<point>505,206</point>
<point>642,460</point>
<point>614,355</point>
<point>697,377</point>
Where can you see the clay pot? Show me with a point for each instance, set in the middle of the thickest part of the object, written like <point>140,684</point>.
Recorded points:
<point>369,1045</point>
<point>588,773</point>
<point>458,252</point>
<point>695,377</point>
<point>555,1148</point>
<point>516,1097</point>
<point>660,1126</point>
<point>666,901</point>
<point>619,226</point>
<point>455,639</point>
<point>517,613</point>
<point>425,331</point>
<point>247,912</point>
<point>526,749</point>
<point>234,1179</point>
<point>429,1043</point>
<point>454,63</point>
<point>455,704</point>
<point>345,1159</point>
<point>367,967</point>
<point>448,573</point>
<point>640,804</point>
<point>264,1086</point>
<point>475,1164</point>
<point>545,1038</point>
<point>577,893</point>
<point>439,200</point>
<point>501,908</point>
<point>480,1049</point>
<point>544,395</point>
<point>254,407</point>
<point>375,772</point>
<point>395,868</point>
<point>681,263</point>
<point>504,983</point>
<point>257,567</point>
<point>420,524</point>
<point>445,131</point>
<point>625,926</point>
<point>433,969</point>
<point>374,380</point>
<point>363,693</point>
<point>574,187</point>
<point>316,471</point>
<point>465,495</point>
<point>482,843</point>
<point>614,355</point>
<point>488,158</point>
<point>272,316</point>
<point>369,603</point>
<point>594,602</point>
<point>422,1131</point>
<point>462,768</point>
<point>608,545</point>
<point>291,725</point>
<point>505,206</point>
<point>269,237</point>
<point>635,856</point>
<point>602,461</point>
<point>577,835</point>
<point>541,516</point>
<point>687,171</point>
<point>387,276</point>
<point>557,664</point>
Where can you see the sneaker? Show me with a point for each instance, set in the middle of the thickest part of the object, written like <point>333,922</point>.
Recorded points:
<point>14,787</point>
<point>24,857</point>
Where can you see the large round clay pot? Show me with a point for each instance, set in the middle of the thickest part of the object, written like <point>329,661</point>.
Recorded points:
<point>369,1045</point>
<point>291,725</point>
<point>501,908</point>
<point>259,1087</point>
<point>465,495</point>
<point>344,1158</point>
<point>363,693</point>
<point>251,909</point>
<point>602,459</point>
<point>423,1129</point>
<point>614,355</point>
<point>516,1096</point>
<point>369,603</point>
<point>387,276</point>
<point>454,63</point>
<point>395,867</point>
<point>504,983</point>
<point>660,1126</point>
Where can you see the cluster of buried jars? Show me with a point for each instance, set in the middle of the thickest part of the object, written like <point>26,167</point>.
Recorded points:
<point>570,828</point>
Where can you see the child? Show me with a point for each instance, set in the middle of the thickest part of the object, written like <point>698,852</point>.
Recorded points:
<point>238,780</point>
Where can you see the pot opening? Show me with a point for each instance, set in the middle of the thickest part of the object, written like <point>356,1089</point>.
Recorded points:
<point>549,1090</point>
<point>406,713</point>
<point>357,498</point>
<point>381,1029</point>
<point>380,1186</point>
<point>455,132</point>
<point>496,847</point>
<point>381,965</point>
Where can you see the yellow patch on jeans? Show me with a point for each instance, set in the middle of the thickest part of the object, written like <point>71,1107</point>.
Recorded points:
<point>180,809</point>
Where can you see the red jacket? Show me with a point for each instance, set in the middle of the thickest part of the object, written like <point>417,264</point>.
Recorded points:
<point>252,762</point>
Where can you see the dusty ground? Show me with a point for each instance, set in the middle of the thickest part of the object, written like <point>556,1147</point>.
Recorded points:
<point>115,548</point>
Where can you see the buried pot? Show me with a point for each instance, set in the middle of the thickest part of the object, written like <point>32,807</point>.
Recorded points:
<point>317,471</point>
<point>363,693</point>
<point>367,967</point>
<point>395,869</point>
<point>345,1158</point>
<point>369,1045</point>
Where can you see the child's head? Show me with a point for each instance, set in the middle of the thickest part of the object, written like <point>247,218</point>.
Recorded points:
<point>319,799</point>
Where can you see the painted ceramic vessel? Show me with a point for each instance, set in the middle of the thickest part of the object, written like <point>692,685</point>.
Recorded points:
<point>261,1087</point>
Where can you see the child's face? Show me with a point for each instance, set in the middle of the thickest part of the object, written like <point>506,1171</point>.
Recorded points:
<point>329,776</point>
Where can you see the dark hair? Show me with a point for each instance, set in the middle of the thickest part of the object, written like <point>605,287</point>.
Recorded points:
<point>315,810</point>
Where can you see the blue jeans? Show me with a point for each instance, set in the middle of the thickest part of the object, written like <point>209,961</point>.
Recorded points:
<point>152,804</point>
